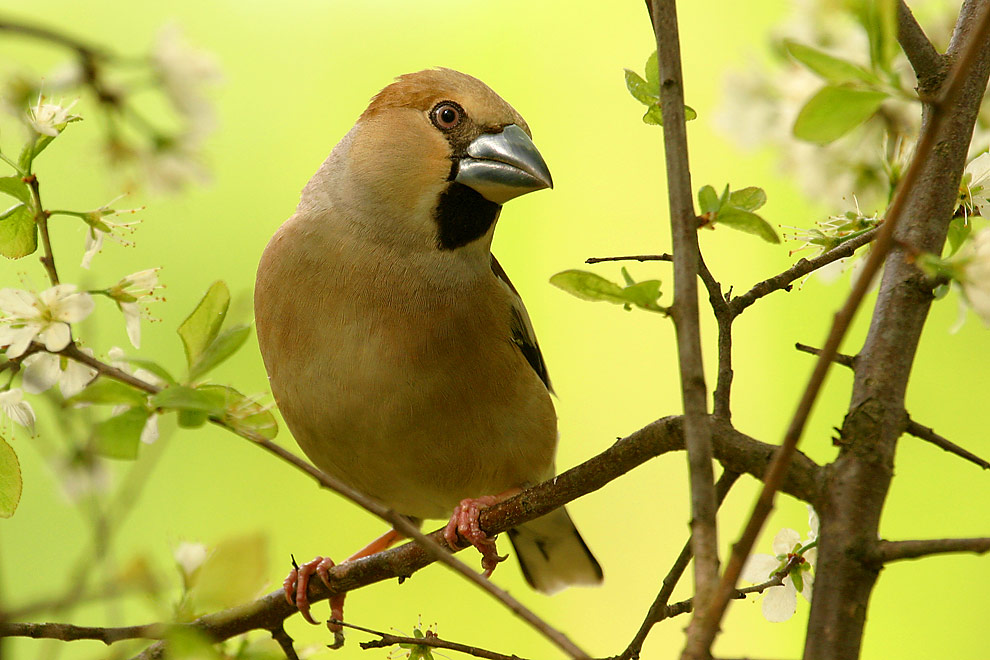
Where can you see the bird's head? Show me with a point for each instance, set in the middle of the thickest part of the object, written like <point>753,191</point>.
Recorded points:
<point>434,157</point>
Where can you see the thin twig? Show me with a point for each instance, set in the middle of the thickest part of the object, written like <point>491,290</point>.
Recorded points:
<point>888,551</point>
<point>659,610</point>
<point>41,220</point>
<point>803,267</point>
<point>429,639</point>
<point>722,397</point>
<point>635,257</point>
<point>67,632</point>
<point>284,642</point>
<point>929,435</point>
<point>701,644</point>
<point>838,358</point>
<point>684,234</point>
<point>925,60</point>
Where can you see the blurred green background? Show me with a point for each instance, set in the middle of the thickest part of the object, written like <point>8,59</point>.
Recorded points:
<point>296,76</point>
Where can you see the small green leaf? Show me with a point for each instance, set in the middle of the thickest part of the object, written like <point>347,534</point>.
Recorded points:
<point>106,391</point>
<point>653,117</point>
<point>708,200</point>
<point>653,74</point>
<point>31,151</point>
<point>831,68</point>
<point>798,580</point>
<point>639,88</point>
<point>11,211</point>
<point>18,233</point>
<point>748,199</point>
<point>225,345</point>
<point>627,277</point>
<point>13,186</point>
<point>192,419</point>
<point>747,222</point>
<point>959,230</point>
<point>153,367</point>
<point>243,412</point>
<point>202,326</point>
<point>644,294</point>
<point>120,436</point>
<point>834,111</point>
<point>10,480</point>
<point>588,286</point>
<point>180,397</point>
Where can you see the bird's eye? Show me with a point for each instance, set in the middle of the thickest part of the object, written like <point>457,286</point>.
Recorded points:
<point>447,115</point>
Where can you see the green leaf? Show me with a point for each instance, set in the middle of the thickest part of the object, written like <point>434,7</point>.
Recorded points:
<point>879,19</point>
<point>627,277</point>
<point>11,211</point>
<point>653,74</point>
<point>18,233</point>
<point>234,573</point>
<point>112,392</point>
<point>588,286</point>
<point>32,149</point>
<point>654,117</point>
<point>192,419</point>
<point>797,579</point>
<point>13,186</point>
<point>180,397</point>
<point>831,68</point>
<point>202,326</point>
<point>748,199</point>
<point>644,294</point>
<point>959,230</point>
<point>153,367</point>
<point>708,200</point>
<point>225,345</point>
<point>834,111</point>
<point>246,413</point>
<point>747,222</point>
<point>639,88</point>
<point>120,436</point>
<point>10,480</point>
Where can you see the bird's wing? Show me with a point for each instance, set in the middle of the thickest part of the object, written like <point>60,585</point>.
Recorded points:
<point>523,334</point>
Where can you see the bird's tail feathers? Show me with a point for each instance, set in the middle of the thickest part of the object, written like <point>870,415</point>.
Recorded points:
<point>553,555</point>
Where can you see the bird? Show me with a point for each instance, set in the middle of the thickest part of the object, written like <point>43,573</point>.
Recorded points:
<point>400,355</point>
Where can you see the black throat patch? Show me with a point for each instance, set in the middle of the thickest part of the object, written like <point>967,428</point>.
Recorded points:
<point>462,216</point>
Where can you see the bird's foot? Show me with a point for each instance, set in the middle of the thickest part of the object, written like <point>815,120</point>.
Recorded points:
<point>296,586</point>
<point>465,523</point>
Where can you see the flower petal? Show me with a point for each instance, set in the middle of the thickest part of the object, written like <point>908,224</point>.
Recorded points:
<point>785,540</point>
<point>55,336</point>
<point>759,567</point>
<point>73,308</point>
<point>76,376</point>
<point>40,372</point>
<point>132,320</point>
<point>780,603</point>
<point>150,431</point>
<point>14,406</point>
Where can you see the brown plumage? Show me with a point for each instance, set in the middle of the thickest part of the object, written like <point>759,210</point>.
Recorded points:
<point>402,359</point>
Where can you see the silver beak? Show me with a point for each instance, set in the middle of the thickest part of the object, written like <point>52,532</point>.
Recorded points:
<point>504,165</point>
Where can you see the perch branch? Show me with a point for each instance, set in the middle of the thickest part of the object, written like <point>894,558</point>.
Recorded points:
<point>925,60</point>
<point>888,551</point>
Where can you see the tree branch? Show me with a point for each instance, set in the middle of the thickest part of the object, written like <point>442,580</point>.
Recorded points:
<point>929,435</point>
<point>723,319</point>
<point>684,234</point>
<point>883,244</point>
<point>803,267</point>
<point>925,60</point>
<point>635,257</point>
<point>888,551</point>
<point>736,451</point>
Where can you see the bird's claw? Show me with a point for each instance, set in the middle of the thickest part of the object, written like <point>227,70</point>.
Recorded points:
<point>464,522</point>
<point>296,586</point>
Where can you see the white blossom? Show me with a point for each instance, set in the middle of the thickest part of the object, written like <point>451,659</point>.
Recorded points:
<point>780,602</point>
<point>101,226</point>
<point>190,556</point>
<point>184,73</point>
<point>976,274</point>
<point>130,292</point>
<point>49,118</point>
<point>42,370</point>
<point>13,406</point>
<point>46,317</point>
<point>974,191</point>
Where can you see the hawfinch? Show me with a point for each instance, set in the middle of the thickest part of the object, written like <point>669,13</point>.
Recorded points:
<point>399,353</point>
